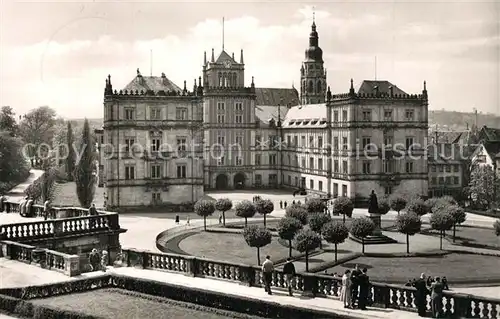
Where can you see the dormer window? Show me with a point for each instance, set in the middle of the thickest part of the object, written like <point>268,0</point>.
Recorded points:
<point>314,122</point>
<point>305,122</point>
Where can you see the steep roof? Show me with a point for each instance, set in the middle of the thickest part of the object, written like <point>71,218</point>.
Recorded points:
<point>224,56</point>
<point>265,113</point>
<point>448,152</point>
<point>493,149</point>
<point>368,87</point>
<point>276,96</point>
<point>488,134</point>
<point>309,115</point>
<point>447,137</point>
<point>154,83</point>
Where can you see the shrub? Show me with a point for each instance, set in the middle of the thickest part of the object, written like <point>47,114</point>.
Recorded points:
<point>397,202</point>
<point>343,206</point>
<point>409,224</point>
<point>315,205</point>
<point>264,207</point>
<point>204,208</point>
<point>257,237</point>
<point>316,222</point>
<point>417,206</point>
<point>362,227</point>
<point>335,233</point>
<point>297,211</point>
<point>306,241</point>
<point>383,206</point>
<point>223,205</point>
<point>287,229</point>
<point>438,203</point>
<point>245,209</point>
<point>496,227</point>
<point>441,221</point>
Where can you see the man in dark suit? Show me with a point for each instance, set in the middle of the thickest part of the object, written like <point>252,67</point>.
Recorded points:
<point>421,295</point>
<point>364,289</point>
<point>354,285</point>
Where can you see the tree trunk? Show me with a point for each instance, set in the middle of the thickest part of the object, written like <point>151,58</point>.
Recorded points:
<point>398,212</point>
<point>343,218</point>
<point>307,261</point>
<point>258,256</point>
<point>224,219</point>
<point>441,240</point>
<point>321,241</point>
<point>245,222</point>
<point>363,245</point>
<point>407,243</point>
<point>264,220</point>
<point>454,231</point>
<point>205,223</point>
<point>290,248</point>
<point>335,252</point>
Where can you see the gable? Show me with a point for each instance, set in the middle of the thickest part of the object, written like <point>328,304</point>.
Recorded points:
<point>368,87</point>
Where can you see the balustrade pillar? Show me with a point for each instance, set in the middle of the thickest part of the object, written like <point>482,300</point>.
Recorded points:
<point>247,275</point>
<point>6,250</point>
<point>113,222</point>
<point>72,266</point>
<point>310,285</point>
<point>381,296</point>
<point>191,266</point>
<point>58,227</point>
<point>461,305</point>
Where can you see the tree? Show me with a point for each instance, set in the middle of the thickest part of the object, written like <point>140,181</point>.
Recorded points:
<point>297,211</point>
<point>264,207</point>
<point>482,186</point>
<point>441,221</point>
<point>223,205</point>
<point>85,173</point>
<point>257,237</point>
<point>417,206</point>
<point>315,205</point>
<point>8,120</point>
<point>409,224</point>
<point>383,206</point>
<point>437,203</point>
<point>287,229</point>
<point>496,227</point>
<point>204,208</point>
<point>306,241</point>
<point>13,166</point>
<point>362,227</point>
<point>317,221</point>
<point>70,158</point>
<point>344,206</point>
<point>397,202</point>
<point>37,127</point>
<point>245,209</point>
<point>43,188</point>
<point>335,233</point>
<point>457,213</point>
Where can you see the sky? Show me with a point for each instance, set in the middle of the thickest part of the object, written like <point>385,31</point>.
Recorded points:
<point>59,53</point>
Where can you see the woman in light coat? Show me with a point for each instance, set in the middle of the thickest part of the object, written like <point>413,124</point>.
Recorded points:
<point>345,291</point>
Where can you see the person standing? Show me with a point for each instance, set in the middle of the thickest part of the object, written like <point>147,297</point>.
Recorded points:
<point>104,260</point>
<point>188,221</point>
<point>94,259</point>
<point>267,274</point>
<point>92,212</point>
<point>345,291</point>
<point>284,204</point>
<point>436,297</point>
<point>220,219</point>
<point>177,219</point>
<point>421,295</point>
<point>281,204</point>
<point>354,285</point>
<point>289,271</point>
<point>364,289</point>
<point>46,209</point>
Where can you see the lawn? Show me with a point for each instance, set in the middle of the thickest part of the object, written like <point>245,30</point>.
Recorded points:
<point>116,303</point>
<point>455,266</point>
<point>473,235</point>
<point>230,248</point>
<point>65,195</point>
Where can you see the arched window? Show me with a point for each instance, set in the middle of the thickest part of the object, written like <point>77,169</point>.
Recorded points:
<point>220,79</point>
<point>310,89</point>
<point>319,87</point>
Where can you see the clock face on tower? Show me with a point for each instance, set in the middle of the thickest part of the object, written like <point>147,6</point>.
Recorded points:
<point>227,63</point>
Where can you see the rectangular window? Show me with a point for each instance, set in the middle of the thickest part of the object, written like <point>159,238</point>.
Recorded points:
<point>336,166</point>
<point>388,140</point>
<point>238,106</point>
<point>336,190</point>
<point>155,144</point>
<point>155,113</point>
<point>221,140</point>
<point>181,113</point>
<point>289,180</point>
<point>367,115</point>
<point>311,141</point>
<point>258,159</point>
<point>295,141</point>
<point>344,144</point>
<point>129,114</point>
<point>335,116</point>
<point>221,118</point>
<point>258,140</point>
<point>344,190</point>
<point>441,180</point>
<point>409,167</point>
<point>433,168</point>
<point>344,167</point>
<point>433,180</point>
<point>272,159</point>
<point>441,168</point>
<point>366,141</point>
<point>303,162</point>
<point>129,172</point>
<point>239,160</point>
<point>456,168</point>
<point>388,115</point>
<point>303,141</point>
<point>366,167</point>
<point>344,116</point>
<point>221,106</point>
<point>221,161</point>
<point>181,144</point>
<point>311,184</point>
<point>448,180</point>
<point>181,171</point>
<point>239,118</point>
<point>448,169</point>
<point>336,143</point>
<point>409,115</point>
<point>258,179</point>
<point>239,140</point>
<point>129,143</point>
<point>311,163</point>
<point>455,180</point>
<point>388,190</point>
<point>320,186</point>
<point>388,166</point>
<point>155,171</point>
<point>288,140</point>
<point>409,142</point>
<point>320,142</point>
<point>320,163</point>
<point>156,197</point>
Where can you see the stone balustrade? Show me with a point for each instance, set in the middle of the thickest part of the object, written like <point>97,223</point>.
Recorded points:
<point>44,258</point>
<point>455,305</point>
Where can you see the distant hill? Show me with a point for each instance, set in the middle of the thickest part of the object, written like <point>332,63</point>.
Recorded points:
<point>450,120</point>
<point>457,121</point>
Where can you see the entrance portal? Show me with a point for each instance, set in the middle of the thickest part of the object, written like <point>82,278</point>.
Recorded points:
<point>221,182</point>
<point>239,181</point>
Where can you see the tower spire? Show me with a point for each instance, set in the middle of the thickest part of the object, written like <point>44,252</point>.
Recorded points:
<point>314,16</point>
<point>222,33</point>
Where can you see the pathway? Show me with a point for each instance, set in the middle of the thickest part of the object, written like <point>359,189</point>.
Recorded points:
<point>17,193</point>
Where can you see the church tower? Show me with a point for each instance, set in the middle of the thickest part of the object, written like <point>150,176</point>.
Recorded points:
<point>312,72</point>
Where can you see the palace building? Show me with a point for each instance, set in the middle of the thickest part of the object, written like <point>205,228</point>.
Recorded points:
<point>225,135</point>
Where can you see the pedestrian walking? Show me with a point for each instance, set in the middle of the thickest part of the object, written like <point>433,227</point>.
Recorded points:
<point>94,259</point>
<point>364,289</point>
<point>187,221</point>
<point>267,274</point>
<point>345,291</point>
<point>421,295</point>
<point>289,271</point>
<point>177,219</point>
<point>281,204</point>
<point>285,204</point>
<point>436,297</point>
<point>354,285</point>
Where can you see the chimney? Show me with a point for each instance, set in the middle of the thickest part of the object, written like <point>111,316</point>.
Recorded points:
<point>205,58</point>
<point>241,57</point>
<point>213,56</point>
